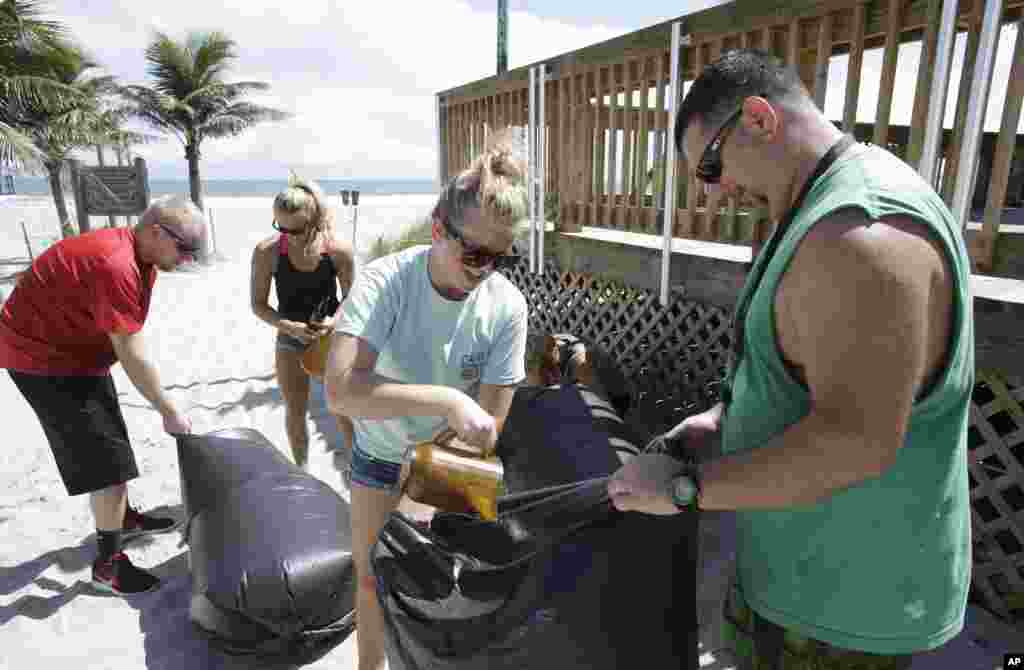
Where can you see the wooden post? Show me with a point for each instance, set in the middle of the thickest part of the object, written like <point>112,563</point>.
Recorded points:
<point>696,228</point>
<point>599,178</point>
<point>613,148</point>
<point>660,135</point>
<point>1001,164</point>
<point>821,64</point>
<point>963,100</point>
<point>888,82</point>
<point>854,67</point>
<point>642,143</point>
<point>925,74</point>
<point>628,171</point>
<point>76,188</point>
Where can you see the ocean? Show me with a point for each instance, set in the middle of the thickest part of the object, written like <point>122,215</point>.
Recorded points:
<point>241,210</point>
<point>239,188</point>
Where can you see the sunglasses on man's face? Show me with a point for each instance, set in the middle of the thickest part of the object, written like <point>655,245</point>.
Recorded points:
<point>183,245</point>
<point>287,231</point>
<point>709,169</point>
<point>476,256</point>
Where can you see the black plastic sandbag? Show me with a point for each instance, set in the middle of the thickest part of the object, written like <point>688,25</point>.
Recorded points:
<point>269,548</point>
<point>559,580</point>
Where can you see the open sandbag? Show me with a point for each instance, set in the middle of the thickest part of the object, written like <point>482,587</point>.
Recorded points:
<point>270,549</point>
<point>561,579</point>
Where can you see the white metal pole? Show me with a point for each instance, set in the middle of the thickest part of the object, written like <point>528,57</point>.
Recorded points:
<point>669,218</point>
<point>939,90</point>
<point>531,167</point>
<point>542,170</point>
<point>976,111</point>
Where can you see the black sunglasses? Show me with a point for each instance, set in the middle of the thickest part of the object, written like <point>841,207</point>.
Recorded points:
<point>709,169</point>
<point>180,242</point>
<point>476,256</point>
<point>287,231</point>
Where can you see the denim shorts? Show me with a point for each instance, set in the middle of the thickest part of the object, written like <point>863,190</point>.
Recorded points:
<point>290,344</point>
<point>373,472</point>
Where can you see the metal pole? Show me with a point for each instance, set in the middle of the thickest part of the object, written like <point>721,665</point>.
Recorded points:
<point>976,111</point>
<point>542,169</point>
<point>531,167</point>
<point>502,36</point>
<point>669,218</point>
<point>939,90</point>
<point>355,219</point>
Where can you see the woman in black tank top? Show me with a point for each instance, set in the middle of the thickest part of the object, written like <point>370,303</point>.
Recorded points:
<point>308,264</point>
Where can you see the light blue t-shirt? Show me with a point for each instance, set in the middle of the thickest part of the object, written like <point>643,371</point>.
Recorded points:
<point>423,338</point>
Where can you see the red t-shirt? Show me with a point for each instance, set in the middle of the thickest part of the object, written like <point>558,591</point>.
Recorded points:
<point>59,318</point>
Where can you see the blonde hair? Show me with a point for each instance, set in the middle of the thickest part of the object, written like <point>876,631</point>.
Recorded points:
<point>495,182</point>
<point>304,200</point>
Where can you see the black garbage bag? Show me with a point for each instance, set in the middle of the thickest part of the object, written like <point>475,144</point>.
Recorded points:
<point>269,548</point>
<point>560,580</point>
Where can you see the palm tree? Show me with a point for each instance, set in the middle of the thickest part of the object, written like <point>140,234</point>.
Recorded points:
<point>190,99</point>
<point>58,126</point>
<point>26,43</point>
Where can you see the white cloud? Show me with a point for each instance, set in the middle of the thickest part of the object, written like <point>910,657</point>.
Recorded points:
<point>359,77</point>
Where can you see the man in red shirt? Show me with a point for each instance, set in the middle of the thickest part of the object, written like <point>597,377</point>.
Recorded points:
<point>75,312</point>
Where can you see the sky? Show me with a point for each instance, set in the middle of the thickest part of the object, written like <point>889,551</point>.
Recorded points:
<point>359,76</point>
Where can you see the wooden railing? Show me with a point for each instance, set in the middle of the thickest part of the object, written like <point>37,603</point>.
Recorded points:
<point>607,122</point>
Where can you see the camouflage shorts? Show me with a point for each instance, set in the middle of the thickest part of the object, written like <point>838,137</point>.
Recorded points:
<point>760,644</point>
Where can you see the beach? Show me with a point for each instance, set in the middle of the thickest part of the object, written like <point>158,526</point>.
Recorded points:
<point>216,360</point>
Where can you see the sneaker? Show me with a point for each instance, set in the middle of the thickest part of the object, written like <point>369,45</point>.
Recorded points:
<point>137,524</point>
<point>117,575</point>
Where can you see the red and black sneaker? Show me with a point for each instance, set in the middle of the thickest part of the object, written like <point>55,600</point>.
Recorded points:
<point>137,524</point>
<point>117,575</point>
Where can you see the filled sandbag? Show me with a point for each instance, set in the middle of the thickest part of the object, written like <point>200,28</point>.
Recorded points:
<point>561,579</point>
<point>269,548</point>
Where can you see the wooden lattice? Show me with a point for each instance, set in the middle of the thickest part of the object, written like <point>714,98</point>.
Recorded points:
<point>996,462</point>
<point>676,355</point>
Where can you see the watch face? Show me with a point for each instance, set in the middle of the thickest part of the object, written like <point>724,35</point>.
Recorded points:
<point>683,491</point>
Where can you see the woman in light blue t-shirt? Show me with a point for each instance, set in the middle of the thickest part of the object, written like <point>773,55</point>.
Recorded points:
<point>429,337</point>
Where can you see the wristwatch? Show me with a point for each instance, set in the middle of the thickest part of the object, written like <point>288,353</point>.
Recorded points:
<point>686,490</point>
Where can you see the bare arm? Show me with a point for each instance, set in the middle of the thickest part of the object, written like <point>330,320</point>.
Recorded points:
<point>853,316</point>
<point>131,351</point>
<point>496,401</point>
<point>259,284</point>
<point>344,265</point>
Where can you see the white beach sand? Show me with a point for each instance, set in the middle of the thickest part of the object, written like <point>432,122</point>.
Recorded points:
<point>216,360</point>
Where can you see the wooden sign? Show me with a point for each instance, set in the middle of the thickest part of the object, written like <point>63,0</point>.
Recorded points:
<point>109,191</point>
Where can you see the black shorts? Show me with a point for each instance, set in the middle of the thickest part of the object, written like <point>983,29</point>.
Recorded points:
<point>83,422</point>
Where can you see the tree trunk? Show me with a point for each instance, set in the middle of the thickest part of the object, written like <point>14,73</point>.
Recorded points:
<point>194,185</point>
<point>57,189</point>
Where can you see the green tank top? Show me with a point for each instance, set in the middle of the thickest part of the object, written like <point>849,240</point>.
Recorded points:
<point>882,567</point>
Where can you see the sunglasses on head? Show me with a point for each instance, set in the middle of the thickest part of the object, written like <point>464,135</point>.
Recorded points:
<point>476,256</point>
<point>709,169</point>
<point>287,231</point>
<point>180,242</point>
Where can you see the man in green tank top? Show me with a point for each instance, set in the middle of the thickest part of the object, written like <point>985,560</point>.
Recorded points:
<point>845,410</point>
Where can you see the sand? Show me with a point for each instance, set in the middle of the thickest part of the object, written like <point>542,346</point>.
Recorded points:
<point>215,358</point>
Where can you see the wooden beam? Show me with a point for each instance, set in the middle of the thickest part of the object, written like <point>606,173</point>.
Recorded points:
<point>599,143</point>
<point>642,141</point>
<point>793,45</point>
<point>925,74</point>
<point>613,145</point>
<point>628,155</point>
<point>963,101</point>
<point>684,176</point>
<point>854,68</point>
<point>888,80</point>
<point>824,54</point>
<point>661,135</point>
<point>1003,160</point>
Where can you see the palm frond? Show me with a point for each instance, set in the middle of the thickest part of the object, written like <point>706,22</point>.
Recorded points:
<point>238,118</point>
<point>17,149</point>
<point>169,65</point>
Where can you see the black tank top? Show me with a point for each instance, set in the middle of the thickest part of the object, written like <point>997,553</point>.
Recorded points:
<point>298,292</point>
